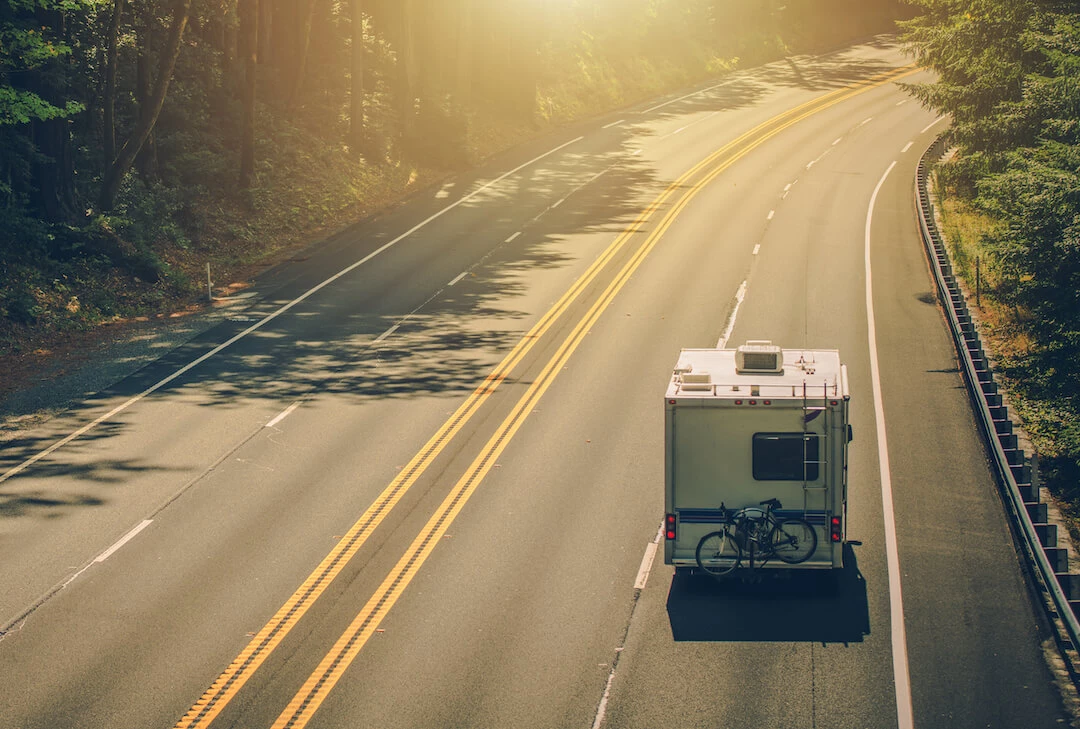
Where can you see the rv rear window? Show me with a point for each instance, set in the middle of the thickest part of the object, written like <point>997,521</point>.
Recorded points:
<point>783,456</point>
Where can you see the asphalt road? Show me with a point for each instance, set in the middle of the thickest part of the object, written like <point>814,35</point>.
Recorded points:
<point>412,485</point>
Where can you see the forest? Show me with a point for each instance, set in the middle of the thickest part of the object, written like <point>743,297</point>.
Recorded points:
<point>1009,77</point>
<point>142,139</point>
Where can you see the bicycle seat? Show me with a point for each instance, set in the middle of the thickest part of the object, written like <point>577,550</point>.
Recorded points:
<point>773,502</point>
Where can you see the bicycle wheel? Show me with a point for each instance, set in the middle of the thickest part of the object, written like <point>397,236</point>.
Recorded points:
<point>718,552</point>
<point>793,541</point>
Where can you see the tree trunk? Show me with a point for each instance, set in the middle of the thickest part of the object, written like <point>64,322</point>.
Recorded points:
<point>265,31</point>
<point>144,43</point>
<point>109,102</point>
<point>148,115</point>
<point>219,82</point>
<point>282,45</point>
<point>54,170</point>
<point>302,54</point>
<point>54,165</point>
<point>248,41</point>
<point>356,82</point>
<point>463,70</point>
<point>230,43</point>
<point>406,87</point>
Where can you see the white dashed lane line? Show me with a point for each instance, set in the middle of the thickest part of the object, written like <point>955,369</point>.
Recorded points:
<point>283,414</point>
<point>122,541</point>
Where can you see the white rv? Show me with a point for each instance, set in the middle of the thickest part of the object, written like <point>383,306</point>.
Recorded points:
<point>751,424</point>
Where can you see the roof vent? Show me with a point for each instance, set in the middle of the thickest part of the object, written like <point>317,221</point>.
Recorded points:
<point>696,381</point>
<point>759,356</point>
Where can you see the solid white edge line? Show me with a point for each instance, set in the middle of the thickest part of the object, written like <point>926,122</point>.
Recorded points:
<point>282,415</point>
<point>269,317</point>
<point>613,124</point>
<point>930,125</point>
<point>123,540</point>
<point>739,296</point>
<point>901,672</point>
<point>457,278</point>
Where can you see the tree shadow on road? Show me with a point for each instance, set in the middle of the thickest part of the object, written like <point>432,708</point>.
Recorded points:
<point>373,335</point>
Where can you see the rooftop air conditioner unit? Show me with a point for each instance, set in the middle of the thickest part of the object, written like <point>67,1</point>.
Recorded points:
<point>759,356</point>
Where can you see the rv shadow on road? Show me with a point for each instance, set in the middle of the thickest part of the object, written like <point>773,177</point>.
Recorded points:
<point>801,608</point>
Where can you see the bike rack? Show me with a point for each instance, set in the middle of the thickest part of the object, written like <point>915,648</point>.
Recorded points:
<point>1037,539</point>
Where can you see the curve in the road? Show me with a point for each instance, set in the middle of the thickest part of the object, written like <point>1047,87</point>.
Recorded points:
<point>320,683</point>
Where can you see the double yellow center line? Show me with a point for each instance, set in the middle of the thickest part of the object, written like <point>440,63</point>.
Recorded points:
<point>304,704</point>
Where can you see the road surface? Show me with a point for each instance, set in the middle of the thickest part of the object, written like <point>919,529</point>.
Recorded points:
<point>413,484</point>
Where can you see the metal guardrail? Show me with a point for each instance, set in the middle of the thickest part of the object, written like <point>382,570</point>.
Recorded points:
<point>1037,539</point>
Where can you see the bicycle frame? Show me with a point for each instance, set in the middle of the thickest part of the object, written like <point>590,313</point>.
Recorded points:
<point>758,534</point>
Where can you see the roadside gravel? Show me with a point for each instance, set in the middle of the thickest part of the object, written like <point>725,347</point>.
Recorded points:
<point>37,386</point>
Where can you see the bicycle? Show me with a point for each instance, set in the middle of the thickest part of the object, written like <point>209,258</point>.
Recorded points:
<point>757,533</point>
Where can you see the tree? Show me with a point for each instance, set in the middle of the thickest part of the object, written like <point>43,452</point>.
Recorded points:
<point>357,130</point>
<point>36,102</point>
<point>303,44</point>
<point>248,42</point>
<point>109,102</point>
<point>148,115</point>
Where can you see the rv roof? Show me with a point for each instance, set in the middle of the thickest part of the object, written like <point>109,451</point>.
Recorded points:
<point>711,373</point>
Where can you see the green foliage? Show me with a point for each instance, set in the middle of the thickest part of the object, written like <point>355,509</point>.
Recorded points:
<point>146,215</point>
<point>21,107</point>
<point>982,51</point>
<point>26,45</point>
<point>1008,74</point>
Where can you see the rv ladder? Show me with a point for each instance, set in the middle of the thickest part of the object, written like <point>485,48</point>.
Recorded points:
<point>810,412</point>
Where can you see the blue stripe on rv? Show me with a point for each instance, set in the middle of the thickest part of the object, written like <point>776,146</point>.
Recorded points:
<point>715,516</point>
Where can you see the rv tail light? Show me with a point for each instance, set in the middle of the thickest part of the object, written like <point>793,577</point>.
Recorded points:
<point>669,526</point>
<point>767,402</point>
<point>753,402</point>
<point>738,402</point>
<point>835,528</point>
